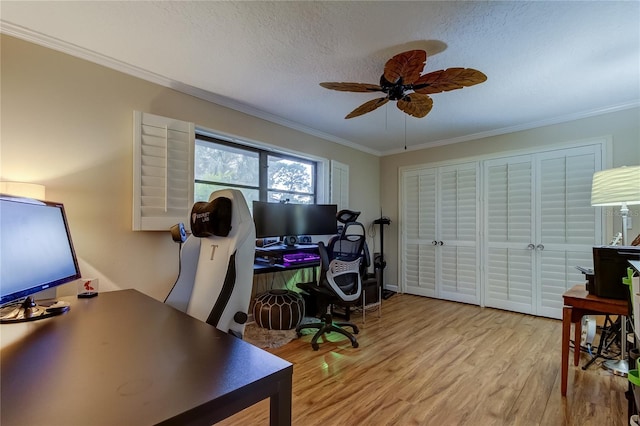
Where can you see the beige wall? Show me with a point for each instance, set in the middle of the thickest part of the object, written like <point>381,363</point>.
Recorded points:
<point>67,124</point>
<point>623,127</point>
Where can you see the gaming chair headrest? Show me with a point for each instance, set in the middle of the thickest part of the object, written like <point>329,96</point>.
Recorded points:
<point>346,216</point>
<point>212,218</point>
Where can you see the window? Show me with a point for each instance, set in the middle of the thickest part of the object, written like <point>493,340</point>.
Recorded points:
<point>169,155</point>
<point>261,175</point>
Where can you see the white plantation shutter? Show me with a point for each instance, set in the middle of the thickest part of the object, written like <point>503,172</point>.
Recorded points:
<point>539,226</point>
<point>418,232</point>
<point>162,172</point>
<point>439,231</point>
<point>458,230</point>
<point>567,223</point>
<point>340,185</point>
<point>566,214</point>
<point>509,207</point>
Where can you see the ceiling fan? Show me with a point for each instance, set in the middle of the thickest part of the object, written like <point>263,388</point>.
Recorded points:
<point>403,82</point>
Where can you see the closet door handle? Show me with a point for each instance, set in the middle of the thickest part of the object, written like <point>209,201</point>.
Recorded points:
<point>440,243</point>
<point>531,246</point>
<point>540,247</point>
<point>434,242</point>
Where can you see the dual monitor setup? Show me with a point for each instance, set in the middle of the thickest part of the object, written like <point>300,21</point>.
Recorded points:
<point>284,231</point>
<point>284,220</point>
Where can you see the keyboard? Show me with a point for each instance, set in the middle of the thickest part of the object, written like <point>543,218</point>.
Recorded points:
<point>292,259</point>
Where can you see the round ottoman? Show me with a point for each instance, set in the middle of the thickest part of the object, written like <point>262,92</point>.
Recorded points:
<point>278,309</point>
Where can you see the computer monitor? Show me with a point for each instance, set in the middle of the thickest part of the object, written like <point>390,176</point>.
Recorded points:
<point>284,219</point>
<point>36,253</point>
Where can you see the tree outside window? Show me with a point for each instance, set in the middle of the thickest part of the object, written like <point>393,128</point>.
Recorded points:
<point>259,174</point>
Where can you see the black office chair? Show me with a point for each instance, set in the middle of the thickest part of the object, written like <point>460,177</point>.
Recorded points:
<point>371,290</point>
<point>340,281</point>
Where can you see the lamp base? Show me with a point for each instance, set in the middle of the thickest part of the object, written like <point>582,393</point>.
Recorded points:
<point>619,367</point>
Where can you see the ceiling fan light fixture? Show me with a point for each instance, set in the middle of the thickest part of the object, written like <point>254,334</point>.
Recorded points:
<point>402,81</point>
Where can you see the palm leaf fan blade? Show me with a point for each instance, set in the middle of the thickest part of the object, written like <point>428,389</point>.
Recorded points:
<point>449,79</point>
<point>352,87</point>
<point>367,107</point>
<point>407,65</point>
<point>415,104</point>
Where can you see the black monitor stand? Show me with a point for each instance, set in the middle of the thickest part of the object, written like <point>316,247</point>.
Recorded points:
<point>382,263</point>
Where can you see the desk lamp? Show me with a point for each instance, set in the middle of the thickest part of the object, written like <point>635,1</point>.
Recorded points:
<point>23,189</point>
<point>618,187</point>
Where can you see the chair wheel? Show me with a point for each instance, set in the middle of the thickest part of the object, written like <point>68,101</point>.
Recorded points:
<point>356,330</point>
<point>355,344</point>
<point>315,346</point>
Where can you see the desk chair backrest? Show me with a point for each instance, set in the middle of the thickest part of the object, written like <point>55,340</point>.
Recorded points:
<point>216,274</point>
<point>341,277</point>
<point>351,241</point>
<point>343,259</point>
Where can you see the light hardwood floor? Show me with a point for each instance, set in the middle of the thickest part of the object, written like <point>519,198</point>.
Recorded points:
<point>433,362</point>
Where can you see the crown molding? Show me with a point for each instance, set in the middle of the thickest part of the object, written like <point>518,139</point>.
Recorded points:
<point>112,63</point>
<point>74,50</point>
<point>520,127</point>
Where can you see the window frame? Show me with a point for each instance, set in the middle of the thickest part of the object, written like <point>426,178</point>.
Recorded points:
<point>320,186</point>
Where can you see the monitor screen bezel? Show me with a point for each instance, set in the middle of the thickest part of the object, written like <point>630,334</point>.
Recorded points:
<point>22,293</point>
<point>285,219</point>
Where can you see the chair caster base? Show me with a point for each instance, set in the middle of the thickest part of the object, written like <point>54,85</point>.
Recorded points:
<point>326,327</point>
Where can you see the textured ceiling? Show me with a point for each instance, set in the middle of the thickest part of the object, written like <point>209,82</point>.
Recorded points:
<point>546,61</point>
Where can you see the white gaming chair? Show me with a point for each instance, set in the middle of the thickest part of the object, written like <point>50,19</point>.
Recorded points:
<point>216,273</point>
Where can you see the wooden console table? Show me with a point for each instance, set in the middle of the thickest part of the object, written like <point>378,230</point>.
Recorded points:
<point>577,303</point>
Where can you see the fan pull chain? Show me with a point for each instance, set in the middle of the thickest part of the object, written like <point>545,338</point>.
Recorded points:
<point>386,117</point>
<point>405,132</point>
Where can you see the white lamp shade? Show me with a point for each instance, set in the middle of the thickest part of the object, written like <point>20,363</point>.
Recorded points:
<point>23,189</point>
<point>614,187</point>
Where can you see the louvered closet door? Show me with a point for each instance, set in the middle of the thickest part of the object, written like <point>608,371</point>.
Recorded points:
<point>418,232</point>
<point>439,232</point>
<point>457,230</point>
<point>567,225</point>
<point>509,234</point>
<point>539,225</point>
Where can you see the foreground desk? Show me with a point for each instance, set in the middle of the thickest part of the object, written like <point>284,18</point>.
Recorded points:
<point>124,358</point>
<point>577,303</point>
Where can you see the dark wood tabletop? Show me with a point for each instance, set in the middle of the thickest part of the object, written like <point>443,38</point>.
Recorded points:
<point>578,297</point>
<point>124,358</point>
